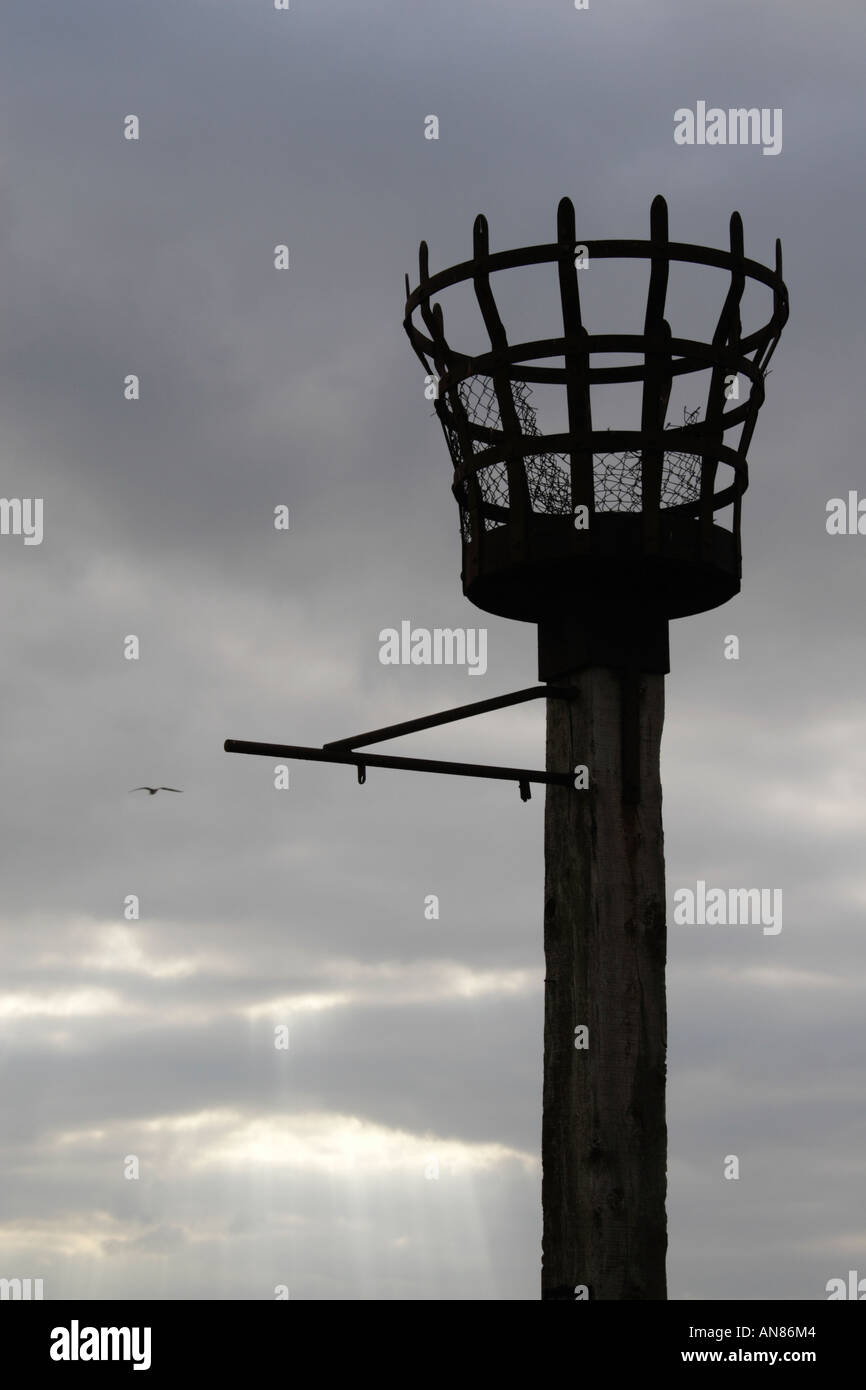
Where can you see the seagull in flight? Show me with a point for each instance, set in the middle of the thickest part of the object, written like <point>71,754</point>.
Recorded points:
<point>153,790</point>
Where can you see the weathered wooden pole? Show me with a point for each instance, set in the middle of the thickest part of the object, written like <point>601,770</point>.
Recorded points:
<point>604,1135</point>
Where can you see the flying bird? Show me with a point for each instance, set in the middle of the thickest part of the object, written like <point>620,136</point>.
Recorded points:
<point>153,790</point>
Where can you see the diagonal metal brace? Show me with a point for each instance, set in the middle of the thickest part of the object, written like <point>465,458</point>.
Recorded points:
<point>449,716</point>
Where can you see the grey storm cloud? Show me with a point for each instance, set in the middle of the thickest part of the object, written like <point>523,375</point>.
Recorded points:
<point>412,1041</point>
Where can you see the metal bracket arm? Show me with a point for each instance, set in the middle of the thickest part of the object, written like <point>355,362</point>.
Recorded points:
<point>342,750</point>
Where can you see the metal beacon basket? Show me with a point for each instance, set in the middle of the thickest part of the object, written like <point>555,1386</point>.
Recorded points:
<point>599,536</point>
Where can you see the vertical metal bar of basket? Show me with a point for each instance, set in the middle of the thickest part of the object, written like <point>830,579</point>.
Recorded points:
<point>519,508</point>
<point>576,358</point>
<point>726,336</point>
<point>657,380</point>
<point>452,409</point>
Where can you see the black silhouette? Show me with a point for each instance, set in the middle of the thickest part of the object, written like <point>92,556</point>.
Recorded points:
<point>153,790</point>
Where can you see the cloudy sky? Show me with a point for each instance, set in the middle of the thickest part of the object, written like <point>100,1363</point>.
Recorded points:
<point>413,1043</point>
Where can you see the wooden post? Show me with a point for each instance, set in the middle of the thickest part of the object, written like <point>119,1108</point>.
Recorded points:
<point>604,1135</point>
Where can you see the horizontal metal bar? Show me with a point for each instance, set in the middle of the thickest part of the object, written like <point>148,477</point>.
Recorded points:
<point>363,760</point>
<point>448,716</point>
<point>684,251</point>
